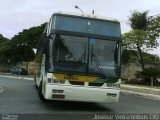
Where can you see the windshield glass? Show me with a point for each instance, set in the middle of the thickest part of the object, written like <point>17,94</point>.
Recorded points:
<point>69,54</point>
<point>85,56</point>
<point>103,58</point>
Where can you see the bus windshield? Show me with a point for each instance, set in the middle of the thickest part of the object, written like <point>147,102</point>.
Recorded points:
<point>84,55</point>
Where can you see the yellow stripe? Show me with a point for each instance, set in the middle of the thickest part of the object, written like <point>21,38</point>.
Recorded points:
<point>82,78</point>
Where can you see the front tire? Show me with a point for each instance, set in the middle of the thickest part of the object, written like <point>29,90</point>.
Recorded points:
<point>41,97</point>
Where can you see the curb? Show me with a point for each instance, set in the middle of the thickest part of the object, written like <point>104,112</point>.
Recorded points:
<point>150,96</point>
<point>145,90</point>
<point>138,87</point>
<point>16,77</point>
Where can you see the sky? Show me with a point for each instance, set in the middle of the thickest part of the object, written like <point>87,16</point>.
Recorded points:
<point>16,15</point>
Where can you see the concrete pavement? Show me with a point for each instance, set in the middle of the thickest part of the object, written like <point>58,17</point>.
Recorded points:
<point>1,89</point>
<point>148,92</point>
<point>8,75</point>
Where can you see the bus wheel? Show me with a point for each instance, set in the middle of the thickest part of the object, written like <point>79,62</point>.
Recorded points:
<point>41,97</point>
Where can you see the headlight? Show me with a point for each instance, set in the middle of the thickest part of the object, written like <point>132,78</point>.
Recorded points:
<point>113,85</point>
<point>51,80</point>
<point>58,81</point>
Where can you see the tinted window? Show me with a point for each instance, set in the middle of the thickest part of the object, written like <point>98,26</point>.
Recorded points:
<point>86,26</point>
<point>85,55</point>
<point>103,57</point>
<point>69,53</point>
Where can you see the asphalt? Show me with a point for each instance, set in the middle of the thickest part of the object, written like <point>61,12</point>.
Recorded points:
<point>1,89</point>
<point>147,92</point>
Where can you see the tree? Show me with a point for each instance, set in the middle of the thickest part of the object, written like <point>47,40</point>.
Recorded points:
<point>23,43</point>
<point>20,47</point>
<point>149,75</point>
<point>3,48</point>
<point>3,39</point>
<point>153,28</point>
<point>136,40</point>
<point>138,20</point>
<point>29,37</point>
<point>131,57</point>
<point>139,38</point>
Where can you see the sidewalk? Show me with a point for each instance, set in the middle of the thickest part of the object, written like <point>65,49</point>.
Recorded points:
<point>141,91</point>
<point>8,75</point>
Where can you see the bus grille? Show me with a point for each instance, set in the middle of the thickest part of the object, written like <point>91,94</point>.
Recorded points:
<point>89,84</point>
<point>95,84</point>
<point>76,83</point>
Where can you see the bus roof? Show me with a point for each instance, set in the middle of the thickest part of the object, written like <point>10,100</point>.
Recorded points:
<point>90,16</point>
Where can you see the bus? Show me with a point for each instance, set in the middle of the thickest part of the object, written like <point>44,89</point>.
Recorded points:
<point>78,59</point>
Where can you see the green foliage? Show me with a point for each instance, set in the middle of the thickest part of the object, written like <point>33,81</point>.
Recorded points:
<point>150,72</point>
<point>130,56</point>
<point>15,53</point>
<point>135,38</point>
<point>147,73</point>
<point>2,39</point>
<point>153,28</point>
<point>125,56</point>
<point>29,37</point>
<point>3,48</point>
<point>144,35</point>
<point>138,20</point>
<point>20,47</point>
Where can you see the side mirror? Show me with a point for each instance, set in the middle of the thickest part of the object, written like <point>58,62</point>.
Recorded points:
<point>35,50</point>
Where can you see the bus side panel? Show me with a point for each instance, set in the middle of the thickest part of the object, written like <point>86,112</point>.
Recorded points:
<point>38,62</point>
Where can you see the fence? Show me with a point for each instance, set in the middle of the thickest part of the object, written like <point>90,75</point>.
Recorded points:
<point>128,70</point>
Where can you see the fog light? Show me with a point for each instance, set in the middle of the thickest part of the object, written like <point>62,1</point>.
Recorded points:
<point>111,94</point>
<point>57,91</point>
<point>113,85</point>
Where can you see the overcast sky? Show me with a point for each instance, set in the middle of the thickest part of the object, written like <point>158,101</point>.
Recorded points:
<point>16,15</point>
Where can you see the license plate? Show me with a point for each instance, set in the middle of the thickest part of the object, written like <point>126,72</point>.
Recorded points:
<point>57,91</point>
<point>58,96</point>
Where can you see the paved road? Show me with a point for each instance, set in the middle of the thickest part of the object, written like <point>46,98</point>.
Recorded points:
<point>21,97</point>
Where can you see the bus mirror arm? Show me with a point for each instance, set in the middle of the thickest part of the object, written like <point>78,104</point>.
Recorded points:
<point>50,36</point>
<point>45,45</point>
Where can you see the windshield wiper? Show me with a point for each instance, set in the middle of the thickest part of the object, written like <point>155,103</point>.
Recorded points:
<point>97,63</point>
<point>83,56</point>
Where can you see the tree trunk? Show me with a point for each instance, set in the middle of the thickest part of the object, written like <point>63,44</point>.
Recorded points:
<point>152,81</point>
<point>140,57</point>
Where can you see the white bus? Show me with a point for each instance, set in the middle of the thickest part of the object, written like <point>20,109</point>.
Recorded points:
<point>78,59</point>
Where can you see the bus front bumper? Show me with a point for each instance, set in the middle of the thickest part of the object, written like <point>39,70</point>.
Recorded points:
<point>79,93</point>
